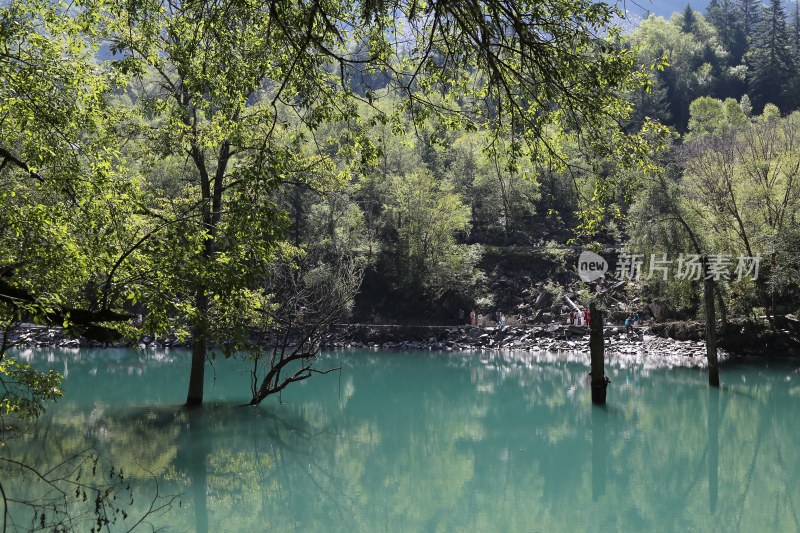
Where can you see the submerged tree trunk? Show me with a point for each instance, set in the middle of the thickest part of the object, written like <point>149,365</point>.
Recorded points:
<point>199,351</point>
<point>712,421</point>
<point>198,474</point>
<point>211,194</point>
<point>596,347</point>
<point>599,453</point>
<point>711,327</point>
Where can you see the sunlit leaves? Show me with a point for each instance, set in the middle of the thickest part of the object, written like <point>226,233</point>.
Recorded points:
<point>425,214</point>
<point>25,390</point>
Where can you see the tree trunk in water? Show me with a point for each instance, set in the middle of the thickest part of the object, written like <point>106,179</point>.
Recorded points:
<point>599,453</point>
<point>713,449</point>
<point>198,473</point>
<point>711,328</point>
<point>596,347</point>
<point>199,351</point>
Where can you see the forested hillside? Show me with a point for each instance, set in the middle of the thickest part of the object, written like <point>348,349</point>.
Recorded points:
<point>734,49</point>
<point>728,185</point>
<point>727,78</point>
<point>423,175</point>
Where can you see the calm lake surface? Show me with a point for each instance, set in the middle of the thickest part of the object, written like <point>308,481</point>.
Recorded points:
<point>409,441</point>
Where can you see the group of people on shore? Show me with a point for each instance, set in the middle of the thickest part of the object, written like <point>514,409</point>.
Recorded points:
<point>632,326</point>
<point>578,317</point>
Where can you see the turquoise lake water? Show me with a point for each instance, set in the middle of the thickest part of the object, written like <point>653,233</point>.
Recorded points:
<point>415,441</point>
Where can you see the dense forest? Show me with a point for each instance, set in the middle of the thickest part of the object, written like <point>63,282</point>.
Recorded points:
<point>211,171</point>
<point>442,218</point>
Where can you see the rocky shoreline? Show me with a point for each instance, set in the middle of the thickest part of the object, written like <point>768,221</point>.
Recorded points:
<point>36,336</point>
<point>661,344</point>
<point>544,343</point>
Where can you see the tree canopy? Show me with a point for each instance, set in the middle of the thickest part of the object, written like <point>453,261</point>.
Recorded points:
<point>162,157</point>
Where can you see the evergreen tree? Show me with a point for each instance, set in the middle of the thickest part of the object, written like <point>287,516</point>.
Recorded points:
<point>793,89</point>
<point>750,15</point>
<point>651,102</point>
<point>771,63</point>
<point>723,15</point>
<point>689,21</point>
<point>795,33</point>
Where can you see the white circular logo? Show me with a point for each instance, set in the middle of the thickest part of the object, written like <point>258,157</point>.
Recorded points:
<point>591,266</point>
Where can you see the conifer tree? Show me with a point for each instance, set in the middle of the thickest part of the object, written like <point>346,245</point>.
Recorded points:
<point>722,14</point>
<point>795,33</point>
<point>793,88</point>
<point>689,20</point>
<point>750,15</point>
<point>770,63</point>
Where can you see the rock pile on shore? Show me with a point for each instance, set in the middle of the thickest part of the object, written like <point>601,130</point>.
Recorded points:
<point>671,344</point>
<point>32,335</point>
<point>554,339</point>
<point>41,336</point>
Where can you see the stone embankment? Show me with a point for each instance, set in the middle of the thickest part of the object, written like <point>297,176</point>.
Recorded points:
<point>549,342</point>
<point>741,336</point>
<point>661,344</point>
<point>32,335</point>
<point>686,338</point>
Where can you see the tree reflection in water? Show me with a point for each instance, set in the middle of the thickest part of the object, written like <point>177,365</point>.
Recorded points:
<point>459,443</point>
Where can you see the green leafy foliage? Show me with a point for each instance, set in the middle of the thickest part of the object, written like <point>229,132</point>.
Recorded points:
<point>214,140</point>
<point>26,390</point>
<point>695,62</point>
<point>738,195</point>
<point>424,215</point>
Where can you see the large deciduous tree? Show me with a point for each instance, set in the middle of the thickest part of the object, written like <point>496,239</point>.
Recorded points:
<point>63,193</point>
<point>743,185</point>
<point>64,202</point>
<point>232,94</point>
<point>227,94</point>
<point>62,189</point>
